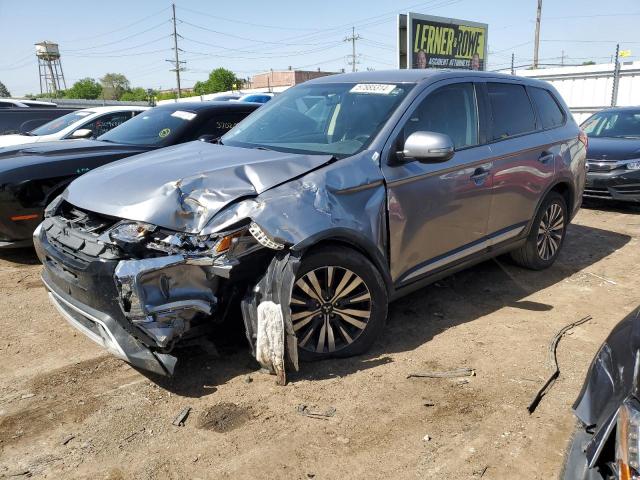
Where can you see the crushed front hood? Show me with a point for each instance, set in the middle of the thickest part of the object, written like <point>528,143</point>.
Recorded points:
<point>183,187</point>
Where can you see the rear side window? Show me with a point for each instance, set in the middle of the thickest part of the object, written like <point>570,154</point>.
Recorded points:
<point>550,112</point>
<point>511,110</point>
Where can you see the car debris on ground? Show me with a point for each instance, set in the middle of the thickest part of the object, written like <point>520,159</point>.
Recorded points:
<point>553,346</point>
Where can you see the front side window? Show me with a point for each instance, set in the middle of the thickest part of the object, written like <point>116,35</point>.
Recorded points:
<point>58,124</point>
<point>548,109</point>
<point>614,124</point>
<point>511,110</point>
<point>158,126</point>
<point>103,124</point>
<point>337,119</point>
<point>451,110</point>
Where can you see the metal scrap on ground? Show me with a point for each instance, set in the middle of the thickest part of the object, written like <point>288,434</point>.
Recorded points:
<point>182,417</point>
<point>554,358</point>
<point>307,412</point>
<point>459,372</point>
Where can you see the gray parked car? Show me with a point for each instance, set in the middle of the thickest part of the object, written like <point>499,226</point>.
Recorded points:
<point>334,198</point>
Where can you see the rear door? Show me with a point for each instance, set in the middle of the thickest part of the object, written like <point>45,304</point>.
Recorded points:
<point>438,212</point>
<point>523,158</point>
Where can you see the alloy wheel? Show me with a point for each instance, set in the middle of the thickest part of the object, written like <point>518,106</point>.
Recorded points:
<point>550,232</point>
<point>330,308</point>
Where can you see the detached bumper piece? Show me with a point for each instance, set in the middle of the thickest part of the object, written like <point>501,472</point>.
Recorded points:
<point>267,317</point>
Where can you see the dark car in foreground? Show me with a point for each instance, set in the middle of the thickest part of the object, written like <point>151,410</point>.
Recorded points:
<point>337,196</point>
<point>33,175</point>
<point>606,443</point>
<point>613,154</point>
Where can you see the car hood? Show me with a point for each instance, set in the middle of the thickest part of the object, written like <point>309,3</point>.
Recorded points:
<point>611,377</point>
<point>613,148</point>
<point>13,139</point>
<point>181,188</point>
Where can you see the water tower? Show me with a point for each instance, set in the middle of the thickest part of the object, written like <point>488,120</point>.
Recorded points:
<point>50,68</point>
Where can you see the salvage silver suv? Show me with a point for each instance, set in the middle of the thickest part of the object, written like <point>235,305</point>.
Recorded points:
<point>313,213</point>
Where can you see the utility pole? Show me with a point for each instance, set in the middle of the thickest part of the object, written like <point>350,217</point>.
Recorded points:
<point>616,77</point>
<point>513,61</point>
<point>176,61</point>
<point>562,59</point>
<point>536,46</point>
<point>353,55</point>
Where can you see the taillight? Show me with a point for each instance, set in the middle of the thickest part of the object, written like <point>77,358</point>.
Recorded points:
<point>582,137</point>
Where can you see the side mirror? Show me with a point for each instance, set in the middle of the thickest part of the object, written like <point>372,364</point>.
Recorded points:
<point>428,147</point>
<point>208,138</point>
<point>82,133</point>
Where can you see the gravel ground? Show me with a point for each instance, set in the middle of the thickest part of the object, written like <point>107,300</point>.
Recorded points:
<point>68,410</point>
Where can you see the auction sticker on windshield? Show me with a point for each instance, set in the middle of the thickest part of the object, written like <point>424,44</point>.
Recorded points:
<point>164,132</point>
<point>183,115</point>
<point>377,88</point>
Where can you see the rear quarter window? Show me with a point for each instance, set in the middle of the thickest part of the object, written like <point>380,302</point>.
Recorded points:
<point>511,111</point>
<point>549,111</point>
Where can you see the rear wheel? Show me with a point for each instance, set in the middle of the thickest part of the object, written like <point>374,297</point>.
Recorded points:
<point>546,236</point>
<point>338,304</point>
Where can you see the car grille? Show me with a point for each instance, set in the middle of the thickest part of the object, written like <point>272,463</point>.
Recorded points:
<point>627,189</point>
<point>600,192</point>
<point>75,232</point>
<point>601,165</point>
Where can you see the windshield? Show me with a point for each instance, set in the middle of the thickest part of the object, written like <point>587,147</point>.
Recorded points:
<point>335,119</point>
<point>155,127</point>
<point>614,124</point>
<point>60,123</point>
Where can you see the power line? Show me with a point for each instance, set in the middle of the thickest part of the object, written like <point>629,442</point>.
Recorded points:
<point>117,29</point>
<point>277,27</point>
<point>137,34</point>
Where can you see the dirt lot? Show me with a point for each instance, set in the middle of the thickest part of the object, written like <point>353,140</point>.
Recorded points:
<point>67,410</point>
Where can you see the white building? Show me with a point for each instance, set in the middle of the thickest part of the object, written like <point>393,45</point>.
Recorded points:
<point>588,88</point>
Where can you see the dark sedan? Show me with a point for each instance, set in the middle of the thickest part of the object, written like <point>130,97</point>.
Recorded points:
<point>606,443</point>
<point>32,175</point>
<point>613,154</point>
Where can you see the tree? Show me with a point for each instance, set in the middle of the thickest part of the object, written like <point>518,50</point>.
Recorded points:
<point>84,88</point>
<point>4,91</point>
<point>137,94</point>
<point>220,80</point>
<point>590,62</point>
<point>114,85</point>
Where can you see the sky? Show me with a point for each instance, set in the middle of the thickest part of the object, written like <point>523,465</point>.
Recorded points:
<point>134,37</point>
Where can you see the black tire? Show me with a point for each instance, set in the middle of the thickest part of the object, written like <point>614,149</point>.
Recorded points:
<point>530,255</point>
<point>339,261</point>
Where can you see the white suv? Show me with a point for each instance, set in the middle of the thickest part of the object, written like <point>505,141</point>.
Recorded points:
<point>89,122</point>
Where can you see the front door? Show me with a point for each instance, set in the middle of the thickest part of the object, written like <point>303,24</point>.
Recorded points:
<point>438,212</point>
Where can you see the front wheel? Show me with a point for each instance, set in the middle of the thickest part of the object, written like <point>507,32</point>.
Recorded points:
<point>338,304</point>
<point>546,236</point>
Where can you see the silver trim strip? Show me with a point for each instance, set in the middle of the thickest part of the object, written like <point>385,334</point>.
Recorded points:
<point>466,252</point>
<point>110,344</point>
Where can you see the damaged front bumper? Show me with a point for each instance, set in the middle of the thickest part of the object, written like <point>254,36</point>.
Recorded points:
<point>140,309</point>
<point>137,309</point>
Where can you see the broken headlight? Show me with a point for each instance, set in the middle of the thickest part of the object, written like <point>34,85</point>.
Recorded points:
<point>130,232</point>
<point>628,440</point>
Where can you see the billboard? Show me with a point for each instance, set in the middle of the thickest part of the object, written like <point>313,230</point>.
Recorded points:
<point>425,41</point>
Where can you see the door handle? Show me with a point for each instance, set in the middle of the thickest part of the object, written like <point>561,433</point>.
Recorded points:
<point>546,157</point>
<point>480,174</point>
